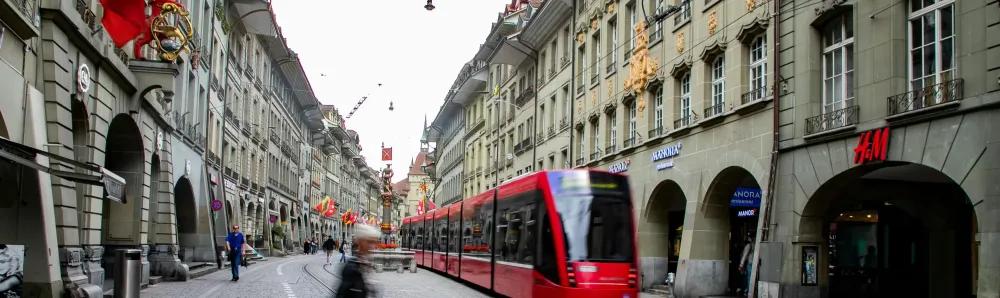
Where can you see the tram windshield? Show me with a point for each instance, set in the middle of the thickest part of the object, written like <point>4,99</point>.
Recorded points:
<point>596,215</point>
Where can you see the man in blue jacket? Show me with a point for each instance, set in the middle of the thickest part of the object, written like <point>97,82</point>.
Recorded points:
<point>234,247</point>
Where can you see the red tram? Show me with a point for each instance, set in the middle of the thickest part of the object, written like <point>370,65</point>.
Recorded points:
<point>564,233</point>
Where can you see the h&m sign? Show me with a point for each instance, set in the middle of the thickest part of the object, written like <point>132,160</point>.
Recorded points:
<point>872,145</point>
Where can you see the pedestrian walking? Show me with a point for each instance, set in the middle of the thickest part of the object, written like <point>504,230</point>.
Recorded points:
<point>328,246</point>
<point>306,246</point>
<point>352,282</point>
<point>234,247</point>
<point>343,256</point>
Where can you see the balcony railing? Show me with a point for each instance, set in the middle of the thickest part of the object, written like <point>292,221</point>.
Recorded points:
<point>754,95</point>
<point>656,34</point>
<point>580,161</point>
<point>552,131</point>
<point>526,94</point>
<point>684,121</point>
<point>628,143</point>
<point>594,74</point>
<point>595,155</point>
<point>832,120</point>
<point>539,138</point>
<point>611,65</point>
<point>579,84</point>
<point>565,60</point>
<point>541,76</point>
<point>714,110</point>
<point>925,97</point>
<point>563,123</point>
<point>655,132</point>
<point>552,73</point>
<point>611,149</point>
<point>213,158</point>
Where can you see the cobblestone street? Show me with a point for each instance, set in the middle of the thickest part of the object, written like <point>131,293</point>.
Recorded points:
<point>306,276</point>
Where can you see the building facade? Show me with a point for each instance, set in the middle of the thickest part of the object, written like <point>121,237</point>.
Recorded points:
<point>107,150</point>
<point>888,156</point>
<point>685,110</point>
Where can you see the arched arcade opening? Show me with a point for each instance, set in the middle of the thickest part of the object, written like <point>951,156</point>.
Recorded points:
<point>891,229</point>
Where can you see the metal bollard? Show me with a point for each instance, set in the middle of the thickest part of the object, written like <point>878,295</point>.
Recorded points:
<point>127,271</point>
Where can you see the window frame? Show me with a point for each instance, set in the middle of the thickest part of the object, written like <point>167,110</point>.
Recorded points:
<point>718,84</point>
<point>938,70</point>
<point>757,70</point>
<point>842,55</point>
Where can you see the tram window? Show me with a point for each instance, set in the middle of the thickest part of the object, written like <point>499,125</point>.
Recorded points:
<point>527,250</point>
<point>501,236</point>
<point>453,239</point>
<point>442,238</point>
<point>546,261</point>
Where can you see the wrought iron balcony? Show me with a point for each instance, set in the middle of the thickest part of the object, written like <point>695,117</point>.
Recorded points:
<point>595,155</point>
<point>552,73</point>
<point>541,76</point>
<point>832,120</point>
<point>925,97</point>
<point>563,123</point>
<point>213,158</point>
<point>552,131</point>
<point>714,110</point>
<point>565,60</point>
<point>655,132</point>
<point>611,149</point>
<point>539,138</point>
<point>580,161</point>
<point>685,121</point>
<point>611,65</point>
<point>526,94</point>
<point>754,95</point>
<point>629,142</point>
<point>517,148</point>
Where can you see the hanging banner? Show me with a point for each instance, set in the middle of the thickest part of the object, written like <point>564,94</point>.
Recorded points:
<point>387,154</point>
<point>745,197</point>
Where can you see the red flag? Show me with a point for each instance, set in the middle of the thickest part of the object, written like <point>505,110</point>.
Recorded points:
<point>387,154</point>
<point>124,19</point>
<point>420,207</point>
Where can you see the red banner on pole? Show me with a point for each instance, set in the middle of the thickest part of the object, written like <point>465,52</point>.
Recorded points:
<point>387,154</point>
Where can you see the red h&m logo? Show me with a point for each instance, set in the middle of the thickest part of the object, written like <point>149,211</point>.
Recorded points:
<point>872,145</point>
<point>387,154</point>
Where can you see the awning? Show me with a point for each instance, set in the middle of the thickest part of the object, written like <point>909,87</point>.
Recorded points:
<point>114,185</point>
<point>257,16</point>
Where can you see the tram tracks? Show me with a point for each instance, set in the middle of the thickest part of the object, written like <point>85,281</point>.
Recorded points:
<point>305,268</point>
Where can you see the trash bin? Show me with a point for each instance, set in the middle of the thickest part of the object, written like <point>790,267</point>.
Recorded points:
<point>127,272</point>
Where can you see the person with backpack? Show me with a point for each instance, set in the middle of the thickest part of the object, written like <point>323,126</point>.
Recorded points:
<point>328,247</point>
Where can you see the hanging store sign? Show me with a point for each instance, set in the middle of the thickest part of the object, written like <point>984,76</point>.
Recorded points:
<point>114,186</point>
<point>619,167</point>
<point>747,213</point>
<point>872,145</point>
<point>667,154</point>
<point>745,197</point>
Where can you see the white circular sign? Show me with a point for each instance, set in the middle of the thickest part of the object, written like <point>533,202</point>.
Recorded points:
<point>83,78</point>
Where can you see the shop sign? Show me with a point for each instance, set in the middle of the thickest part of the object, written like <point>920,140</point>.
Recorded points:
<point>619,167</point>
<point>666,153</point>
<point>872,145</point>
<point>745,197</point>
<point>747,213</point>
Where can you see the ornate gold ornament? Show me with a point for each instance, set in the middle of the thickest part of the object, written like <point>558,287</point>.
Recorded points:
<point>581,37</point>
<point>612,5</point>
<point>593,98</point>
<point>168,31</point>
<point>611,88</point>
<point>680,42</point>
<point>751,4</point>
<point>642,67</point>
<point>595,23</point>
<point>713,23</point>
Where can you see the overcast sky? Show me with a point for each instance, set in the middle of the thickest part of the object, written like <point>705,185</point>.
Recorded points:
<point>349,47</point>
